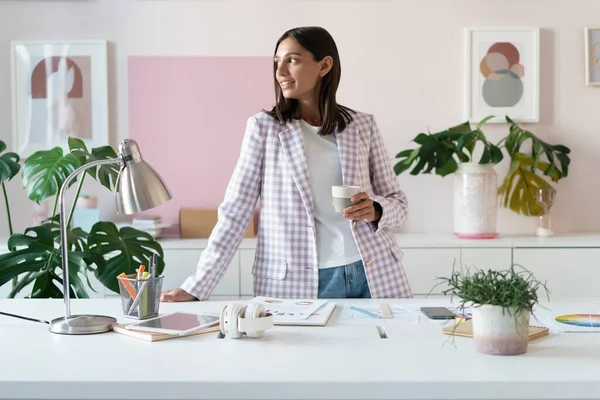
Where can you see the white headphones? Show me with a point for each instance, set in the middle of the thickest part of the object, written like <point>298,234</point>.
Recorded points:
<point>239,319</point>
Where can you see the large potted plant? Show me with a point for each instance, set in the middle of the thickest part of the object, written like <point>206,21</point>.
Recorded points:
<point>452,151</point>
<point>501,303</point>
<point>34,256</point>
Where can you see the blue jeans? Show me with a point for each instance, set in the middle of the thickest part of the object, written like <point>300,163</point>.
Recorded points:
<point>346,281</point>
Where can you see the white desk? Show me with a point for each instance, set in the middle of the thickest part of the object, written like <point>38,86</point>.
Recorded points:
<point>336,362</point>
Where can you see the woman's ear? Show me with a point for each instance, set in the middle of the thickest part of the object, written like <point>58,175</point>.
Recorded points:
<point>326,65</point>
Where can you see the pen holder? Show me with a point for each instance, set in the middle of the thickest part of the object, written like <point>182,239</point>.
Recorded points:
<point>140,297</point>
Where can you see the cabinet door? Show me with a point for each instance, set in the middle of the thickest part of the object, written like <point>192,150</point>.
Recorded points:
<point>181,263</point>
<point>486,258</point>
<point>568,272</point>
<point>246,263</point>
<point>424,266</point>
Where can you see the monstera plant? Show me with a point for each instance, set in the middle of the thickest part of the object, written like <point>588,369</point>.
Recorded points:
<point>442,151</point>
<point>34,256</point>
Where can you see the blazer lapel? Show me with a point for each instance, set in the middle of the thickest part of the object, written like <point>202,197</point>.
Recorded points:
<point>293,147</point>
<point>347,142</point>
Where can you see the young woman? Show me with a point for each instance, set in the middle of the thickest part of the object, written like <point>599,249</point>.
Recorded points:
<point>291,156</point>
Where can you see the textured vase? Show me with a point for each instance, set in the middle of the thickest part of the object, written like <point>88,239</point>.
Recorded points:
<point>498,331</point>
<point>475,201</point>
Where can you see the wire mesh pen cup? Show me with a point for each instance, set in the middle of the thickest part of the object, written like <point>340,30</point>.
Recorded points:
<point>140,297</point>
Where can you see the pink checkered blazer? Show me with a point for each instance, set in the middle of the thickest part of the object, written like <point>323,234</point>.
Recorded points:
<point>272,166</point>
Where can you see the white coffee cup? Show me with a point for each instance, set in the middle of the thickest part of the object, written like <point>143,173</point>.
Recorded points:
<point>341,195</point>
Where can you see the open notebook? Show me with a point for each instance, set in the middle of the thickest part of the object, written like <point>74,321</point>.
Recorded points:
<point>464,327</point>
<point>300,312</point>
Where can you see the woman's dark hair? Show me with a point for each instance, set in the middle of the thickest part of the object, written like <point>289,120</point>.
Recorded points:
<point>320,44</point>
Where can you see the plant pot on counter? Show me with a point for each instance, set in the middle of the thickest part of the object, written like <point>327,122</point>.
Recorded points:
<point>500,331</point>
<point>475,201</point>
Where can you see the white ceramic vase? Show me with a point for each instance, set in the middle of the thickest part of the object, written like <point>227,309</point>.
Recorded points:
<point>475,201</point>
<point>498,331</point>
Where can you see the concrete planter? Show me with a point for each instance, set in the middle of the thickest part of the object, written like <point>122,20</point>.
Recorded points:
<point>498,331</point>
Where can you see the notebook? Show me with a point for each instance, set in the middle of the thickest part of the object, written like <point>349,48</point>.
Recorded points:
<point>154,336</point>
<point>465,328</point>
<point>317,318</point>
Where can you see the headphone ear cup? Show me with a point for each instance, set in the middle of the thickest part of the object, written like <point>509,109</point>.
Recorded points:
<point>229,320</point>
<point>255,311</point>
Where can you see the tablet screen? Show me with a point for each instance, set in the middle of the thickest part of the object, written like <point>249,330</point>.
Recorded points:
<point>179,321</point>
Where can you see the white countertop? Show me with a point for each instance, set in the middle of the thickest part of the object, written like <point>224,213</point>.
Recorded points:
<point>435,240</point>
<point>416,361</point>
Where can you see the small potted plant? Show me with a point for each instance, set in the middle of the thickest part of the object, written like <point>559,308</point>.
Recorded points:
<point>501,304</point>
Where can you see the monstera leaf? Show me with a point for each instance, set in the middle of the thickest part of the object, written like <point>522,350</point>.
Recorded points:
<point>76,237</point>
<point>9,164</point>
<point>39,259</point>
<point>443,150</point>
<point>45,171</point>
<point>105,174</point>
<point>519,188</point>
<point>124,251</point>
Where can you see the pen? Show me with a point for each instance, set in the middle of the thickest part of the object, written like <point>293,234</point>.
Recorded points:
<point>369,313</point>
<point>153,261</point>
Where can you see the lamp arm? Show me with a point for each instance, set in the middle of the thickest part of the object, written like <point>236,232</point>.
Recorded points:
<point>63,226</point>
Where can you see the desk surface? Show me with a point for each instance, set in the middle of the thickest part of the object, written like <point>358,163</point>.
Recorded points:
<point>416,361</point>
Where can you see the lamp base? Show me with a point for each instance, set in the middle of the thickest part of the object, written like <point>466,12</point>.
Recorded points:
<point>82,324</point>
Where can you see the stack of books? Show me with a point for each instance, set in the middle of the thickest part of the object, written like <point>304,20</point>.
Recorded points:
<point>151,224</point>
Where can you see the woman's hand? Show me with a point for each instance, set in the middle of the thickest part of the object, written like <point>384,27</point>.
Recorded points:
<point>364,209</point>
<point>175,295</point>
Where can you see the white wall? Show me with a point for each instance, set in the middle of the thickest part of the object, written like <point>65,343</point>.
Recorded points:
<point>401,60</point>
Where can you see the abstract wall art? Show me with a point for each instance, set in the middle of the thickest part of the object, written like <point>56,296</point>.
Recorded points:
<point>502,74</point>
<point>59,90</point>
<point>592,56</point>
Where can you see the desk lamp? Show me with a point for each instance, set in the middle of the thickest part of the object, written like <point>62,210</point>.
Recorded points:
<point>138,187</point>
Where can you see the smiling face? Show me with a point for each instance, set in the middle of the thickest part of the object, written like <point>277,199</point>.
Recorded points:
<point>298,73</point>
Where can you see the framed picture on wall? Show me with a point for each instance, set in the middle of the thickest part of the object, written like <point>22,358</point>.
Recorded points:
<point>592,56</point>
<point>59,90</point>
<point>502,74</point>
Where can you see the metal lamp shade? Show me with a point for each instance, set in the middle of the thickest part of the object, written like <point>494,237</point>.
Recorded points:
<point>139,187</point>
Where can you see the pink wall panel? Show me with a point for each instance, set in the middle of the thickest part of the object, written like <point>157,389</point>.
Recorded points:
<point>189,115</point>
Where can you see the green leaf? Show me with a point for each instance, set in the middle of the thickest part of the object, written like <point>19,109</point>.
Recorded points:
<point>124,251</point>
<point>484,121</point>
<point>9,164</point>
<point>40,255</point>
<point>44,172</point>
<point>76,237</point>
<point>523,180</point>
<point>105,174</point>
<point>520,186</point>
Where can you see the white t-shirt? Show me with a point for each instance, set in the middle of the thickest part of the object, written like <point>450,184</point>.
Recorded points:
<point>335,243</point>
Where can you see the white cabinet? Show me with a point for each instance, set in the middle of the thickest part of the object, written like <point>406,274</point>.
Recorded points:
<point>246,263</point>
<point>568,272</point>
<point>424,266</point>
<point>181,263</point>
<point>486,258</point>
<point>568,263</point>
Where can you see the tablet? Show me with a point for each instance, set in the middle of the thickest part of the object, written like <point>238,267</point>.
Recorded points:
<point>178,323</point>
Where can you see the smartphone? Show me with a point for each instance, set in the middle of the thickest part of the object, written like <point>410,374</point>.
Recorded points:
<point>438,313</point>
